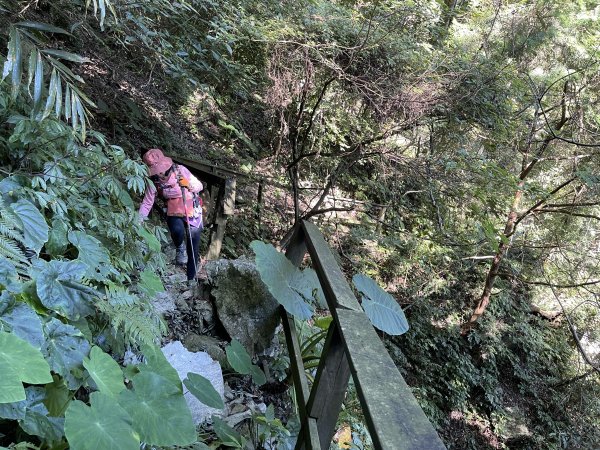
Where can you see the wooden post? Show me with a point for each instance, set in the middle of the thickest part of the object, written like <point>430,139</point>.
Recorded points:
<point>213,203</point>
<point>329,388</point>
<point>308,438</point>
<point>229,197</point>
<point>380,219</point>
<point>259,201</point>
<point>225,207</point>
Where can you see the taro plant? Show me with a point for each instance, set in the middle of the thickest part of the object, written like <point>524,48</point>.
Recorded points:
<point>299,291</point>
<point>77,273</point>
<point>240,361</point>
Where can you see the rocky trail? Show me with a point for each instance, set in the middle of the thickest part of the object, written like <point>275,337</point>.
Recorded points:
<point>203,319</point>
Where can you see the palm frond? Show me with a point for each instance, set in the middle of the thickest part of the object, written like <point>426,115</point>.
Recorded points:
<point>44,67</point>
<point>101,6</point>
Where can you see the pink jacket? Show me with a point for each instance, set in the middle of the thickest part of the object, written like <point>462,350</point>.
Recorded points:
<point>171,191</point>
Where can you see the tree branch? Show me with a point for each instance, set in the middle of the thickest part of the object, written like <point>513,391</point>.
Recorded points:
<point>574,333</point>
<point>541,202</point>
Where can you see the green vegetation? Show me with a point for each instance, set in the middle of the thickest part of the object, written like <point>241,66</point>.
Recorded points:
<point>447,149</point>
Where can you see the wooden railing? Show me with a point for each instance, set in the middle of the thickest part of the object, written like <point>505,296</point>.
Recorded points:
<point>393,416</point>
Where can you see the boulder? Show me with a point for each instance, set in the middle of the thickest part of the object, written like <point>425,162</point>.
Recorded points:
<point>200,343</point>
<point>513,427</point>
<point>163,302</point>
<point>184,361</point>
<point>247,310</point>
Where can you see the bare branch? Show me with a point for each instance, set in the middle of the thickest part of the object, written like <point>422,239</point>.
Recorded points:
<point>574,333</point>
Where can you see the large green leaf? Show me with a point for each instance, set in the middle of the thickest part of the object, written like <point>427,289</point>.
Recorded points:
<point>37,421</point>
<point>11,387</point>
<point>57,239</point>
<point>65,348</point>
<point>14,411</point>
<point>103,425</point>
<point>159,411</point>
<point>226,434</point>
<point>380,307</point>
<point>10,183</point>
<point>288,284</point>
<point>19,363</point>
<point>153,243</point>
<point>105,372</point>
<point>35,228</point>
<point>150,283</point>
<point>313,288</point>
<point>9,277</point>
<point>92,253</point>
<point>203,390</point>
<point>16,58</point>
<point>258,376</point>
<point>238,357</point>
<point>21,320</point>
<point>58,396</point>
<point>61,54</point>
<point>41,27</point>
<point>156,362</point>
<point>59,288</point>
<point>240,361</point>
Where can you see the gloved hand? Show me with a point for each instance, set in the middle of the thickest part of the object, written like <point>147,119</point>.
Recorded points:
<point>184,182</point>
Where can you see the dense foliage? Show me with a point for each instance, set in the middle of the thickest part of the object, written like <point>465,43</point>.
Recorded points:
<point>449,149</point>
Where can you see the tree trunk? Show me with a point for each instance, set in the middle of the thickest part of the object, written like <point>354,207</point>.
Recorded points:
<point>509,228</point>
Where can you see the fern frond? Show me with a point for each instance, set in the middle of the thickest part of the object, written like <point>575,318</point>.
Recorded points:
<point>9,216</point>
<point>120,296</point>
<point>7,230</point>
<point>134,323</point>
<point>142,328</point>
<point>10,250</point>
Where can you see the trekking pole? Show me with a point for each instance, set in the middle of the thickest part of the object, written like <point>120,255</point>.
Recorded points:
<point>188,231</point>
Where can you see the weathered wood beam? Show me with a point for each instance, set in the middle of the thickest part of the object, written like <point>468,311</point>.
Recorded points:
<point>329,388</point>
<point>394,418</point>
<point>309,434</point>
<point>335,287</point>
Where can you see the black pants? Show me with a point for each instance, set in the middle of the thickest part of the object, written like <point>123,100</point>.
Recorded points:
<point>177,226</point>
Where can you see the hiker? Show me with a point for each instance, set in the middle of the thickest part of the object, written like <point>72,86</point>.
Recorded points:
<point>173,182</point>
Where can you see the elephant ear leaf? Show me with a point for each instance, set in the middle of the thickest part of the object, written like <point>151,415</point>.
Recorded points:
<point>35,229</point>
<point>240,361</point>
<point>159,412</point>
<point>65,348</point>
<point>59,287</point>
<point>203,390</point>
<point>288,284</point>
<point>19,318</point>
<point>380,307</point>
<point>92,253</point>
<point>20,363</point>
<point>103,424</point>
<point>104,371</point>
<point>226,434</point>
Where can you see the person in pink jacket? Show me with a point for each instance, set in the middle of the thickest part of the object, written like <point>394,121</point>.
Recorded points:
<point>179,188</point>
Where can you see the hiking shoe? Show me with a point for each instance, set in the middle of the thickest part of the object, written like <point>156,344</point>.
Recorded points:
<point>180,255</point>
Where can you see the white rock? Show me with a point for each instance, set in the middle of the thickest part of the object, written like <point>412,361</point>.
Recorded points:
<point>197,362</point>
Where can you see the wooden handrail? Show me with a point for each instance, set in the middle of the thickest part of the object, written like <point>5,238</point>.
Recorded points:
<point>352,348</point>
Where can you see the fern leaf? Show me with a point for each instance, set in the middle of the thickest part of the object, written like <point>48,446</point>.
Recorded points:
<point>10,250</point>
<point>8,231</point>
<point>135,322</point>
